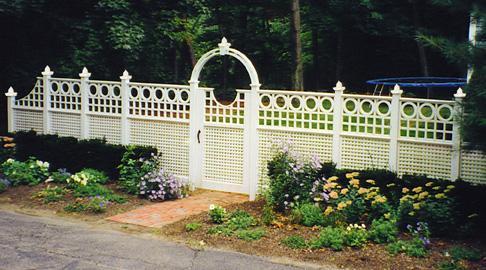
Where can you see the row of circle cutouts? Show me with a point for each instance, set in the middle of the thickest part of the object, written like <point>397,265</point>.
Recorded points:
<point>114,91</point>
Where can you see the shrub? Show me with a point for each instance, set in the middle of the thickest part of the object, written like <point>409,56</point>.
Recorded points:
<point>51,194</point>
<point>308,215</point>
<point>295,242</point>
<point>193,226</point>
<point>97,204</point>
<point>87,177</point>
<point>250,235</point>
<point>268,215</point>
<point>383,231</point>
<point>135,163</point>
<point>71,153</point>
<point>217,214</point>
<point>60,176</point>
<point>356,235</point>
<point>240,220</point>
<point>417,246</point>
<point>31,172</point>
<point>159,185</point>
<point>462,253</point>
<point>331,237</point>
<point>96,190</point>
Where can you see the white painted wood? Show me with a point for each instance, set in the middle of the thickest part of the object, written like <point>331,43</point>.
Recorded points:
<point>46,76</point>
<point>125,93</point>
<point>394,128</point>
<point>456,135</point>
<point>11,94</point>
<point>84,75</point>
<point>337,123</point>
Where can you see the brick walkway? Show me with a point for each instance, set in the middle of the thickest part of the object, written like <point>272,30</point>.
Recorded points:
<point>159,214</point>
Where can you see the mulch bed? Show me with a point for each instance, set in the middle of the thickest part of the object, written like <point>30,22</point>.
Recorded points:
<point>372,256</point>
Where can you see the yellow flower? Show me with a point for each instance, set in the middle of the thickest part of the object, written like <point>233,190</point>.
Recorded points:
<point>387,215</point>
<point>371,182</point>
<point>379,199</point>
<point>332,178</point>
<point>355,174</point>
<point>423,195</point>
<point>370,195</point>
<point>440,196</point>
<point>362,190</point>
<point>391,185</point>
<point>354,182</point>
<point>411,213</point>
<point>341,206</point>
<point>417,189</point>
<point>405,190</point>
<point>349,202</point>
<point>429,184</point>
<point>436,188</point>
<point>404,198</point>
<point>333,195</point>
<point>328,210</point>
<point>349,175</point>
<point>330,185</point>
<point>416,206</point>
<point>450,187</point>
<point>344,191</point>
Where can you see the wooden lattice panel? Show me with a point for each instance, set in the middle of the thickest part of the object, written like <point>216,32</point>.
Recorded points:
<point>223,155</point>
<point>66,124</point>
<point>35,99</point>
<point>104,97</point>
<point>159,101</point>
<point>425,158</point>
<point>305,144</point>
<point>233,113</point>
<point>364,153</point>
<point>473,167</point>
<point>171,140</point>
<point>107,127</point>
<point>366,114</point>
<point>65,95</point>
<point>26,120</point>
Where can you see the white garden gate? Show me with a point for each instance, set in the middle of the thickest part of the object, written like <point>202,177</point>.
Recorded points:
<point>226,147</point>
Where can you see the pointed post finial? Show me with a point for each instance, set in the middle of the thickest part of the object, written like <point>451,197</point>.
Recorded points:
<point>11,92</point>
<point>396,90</point>
<point>47,71</point>
<point>459,93</point>
<point>84,73</point>
<point>125,75</point>
<point>339,86</point>
<point>224,46</point>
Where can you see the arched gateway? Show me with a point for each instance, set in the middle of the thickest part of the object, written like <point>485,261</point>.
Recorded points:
<point>223,138</point>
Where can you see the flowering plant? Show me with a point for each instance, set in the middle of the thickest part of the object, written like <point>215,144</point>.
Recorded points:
<point>217,214</point>
<point>86,177</point>
<point>160,185</point>
<point>30,172</point>
<point>133,167</point>
<point>356,235</point>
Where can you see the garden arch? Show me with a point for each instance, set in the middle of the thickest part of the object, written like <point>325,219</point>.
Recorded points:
<point>223,144</point>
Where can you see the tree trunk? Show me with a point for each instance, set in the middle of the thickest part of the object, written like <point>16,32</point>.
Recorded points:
<point>190,50</point>
<point>297,66</point>
<point>315,58</point>
<point>424,68</point>
<point>339,55</point>
<point>176,64</point>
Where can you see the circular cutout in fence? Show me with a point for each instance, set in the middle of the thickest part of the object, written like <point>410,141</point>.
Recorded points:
<point>93,90</point>
<point>350,105</point>
<point>326,104</point>
<point>146,93</point>
<point>116,91</point>
<point>280,101</point>
<point>264,101</point>
<point>171,94</point>
<point>296,103</point>
<point>383,108</point>
<point>134,92</point>
<point>310,103</point>
<point>444,112</point>
<point>409,110</point>
<point>76,88</point>
<point>54,87</point>
<point>366,107</point>
<point>426,111</point>
<point>158,93</point>
<point>65,87</point>
<point>104,90</point>
<point>184,96</point>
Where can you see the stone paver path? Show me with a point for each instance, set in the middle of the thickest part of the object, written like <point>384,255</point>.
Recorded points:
<point>159,214</point>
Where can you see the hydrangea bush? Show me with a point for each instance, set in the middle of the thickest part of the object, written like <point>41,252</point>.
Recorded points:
<point>30,172</point>
<point>160,185</point>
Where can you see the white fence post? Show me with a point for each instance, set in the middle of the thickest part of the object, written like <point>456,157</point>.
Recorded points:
<point>394,128</point>
<point>125,92</point>
<point>11,94</point>
<point>456,135</point>
<point>46,78</point>
<point>251,111</point>
<point>337,123</point>
<point>196,129</point>
<point>84,75</point>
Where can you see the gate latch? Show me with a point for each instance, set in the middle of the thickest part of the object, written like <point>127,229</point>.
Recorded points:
<point>198,139</point>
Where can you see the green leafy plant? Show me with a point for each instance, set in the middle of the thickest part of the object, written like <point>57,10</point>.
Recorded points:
<point>97,205</point>
<point>30,172</point>
<point>462,253</point>
<point>450,265</point>
<point>308,214</point>
<point>51,194</point>
<point>94,190</point>
<point>86,177</point>
<point>3,187</point>
<point>268,215</point>
<point>75,207</point>
<point>135,163</point>
<point>240,219</point>
<point>250,235</point>
<point>417,246</point>
<point>217,214</point>
<point>356,235</point>
<point>383,231</point>
<point>221,229</point>
<point>193,226</point>
<point>160,185</point>
<point>60,176</point>
<point>331,237</point>
<point>295,242</point>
